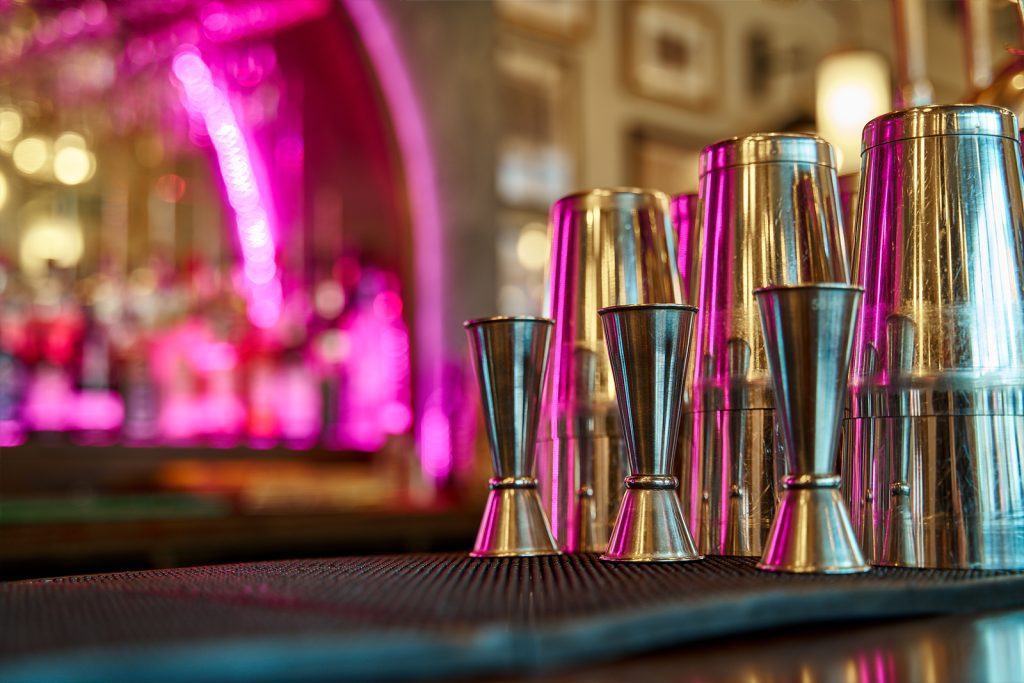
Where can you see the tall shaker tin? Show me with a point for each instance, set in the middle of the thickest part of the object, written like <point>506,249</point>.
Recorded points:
<point>609,247</point>
<point>936,426</point>
<point>686,216</point>
<point>770,217</point>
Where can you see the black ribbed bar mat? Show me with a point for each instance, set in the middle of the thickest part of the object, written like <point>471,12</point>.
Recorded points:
<point>421,616</point>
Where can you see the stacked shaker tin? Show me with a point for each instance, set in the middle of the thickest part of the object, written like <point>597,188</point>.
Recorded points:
<point>745,429</point>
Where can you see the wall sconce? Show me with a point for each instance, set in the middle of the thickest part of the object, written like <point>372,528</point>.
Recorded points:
<point>852,88</point>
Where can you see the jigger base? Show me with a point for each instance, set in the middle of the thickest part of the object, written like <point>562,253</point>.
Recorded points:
<point>812,533</point>
<point>513,524</point>
<point>650,528</point>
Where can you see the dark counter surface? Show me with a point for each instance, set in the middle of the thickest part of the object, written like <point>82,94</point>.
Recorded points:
<point>439,616</point>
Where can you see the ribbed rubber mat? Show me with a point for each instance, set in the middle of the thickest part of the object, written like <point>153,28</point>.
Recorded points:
<point>431,615</point>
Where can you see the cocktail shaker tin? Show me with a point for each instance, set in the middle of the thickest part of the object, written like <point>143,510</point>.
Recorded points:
<point>686,219</point>
<point>770,217</point>
<point>609,247</point>
<point>932,462</point>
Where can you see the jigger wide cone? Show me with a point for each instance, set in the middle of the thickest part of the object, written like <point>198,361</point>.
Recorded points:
<point>647,347</point>
<point>513,525</point>
<point>510,358</point>
<point>812,533</point>
<point>808,333</point>
<point>650,528</point>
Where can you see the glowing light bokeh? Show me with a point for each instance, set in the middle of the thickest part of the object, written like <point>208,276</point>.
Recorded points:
<point>396,85</point>
<point>171,188</point>
<point>73,165</point>
<point>53,239</point>
<point>852,88</point>
<point>532,247</point>
<point>10,124</point>
<point>230,21</point>
<point>5,190</point>
<point>31,154</point>
<point>69,140</point>
<point>205,99</point>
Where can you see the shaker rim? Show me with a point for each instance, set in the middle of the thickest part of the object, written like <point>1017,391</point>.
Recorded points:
<point>940,119</point>
<point>843,286</point>
<point>613,195</point>
<point>645,306</point>
<point>762,148</point>
<point>473,322</point>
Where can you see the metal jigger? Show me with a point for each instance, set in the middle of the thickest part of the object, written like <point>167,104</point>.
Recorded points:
<point>808,333</point>
<point>648,345</point>
<point>510,356</point>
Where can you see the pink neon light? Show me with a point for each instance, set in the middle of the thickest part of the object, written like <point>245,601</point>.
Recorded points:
<point>413,143</point>
<point>377,376</point>
<point>223,22</point>
<point>252,218</point>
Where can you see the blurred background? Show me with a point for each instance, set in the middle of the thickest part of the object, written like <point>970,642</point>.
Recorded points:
<point>238,238</point>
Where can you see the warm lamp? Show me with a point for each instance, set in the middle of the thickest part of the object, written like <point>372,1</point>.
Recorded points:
<point>852,88</point>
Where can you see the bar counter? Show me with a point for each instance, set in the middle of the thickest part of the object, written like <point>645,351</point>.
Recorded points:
<point>571,617</point>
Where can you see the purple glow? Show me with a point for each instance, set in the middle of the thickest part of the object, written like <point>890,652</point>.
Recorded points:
<point>298,406</point>
<point>221,414</point>
<point>222,22</point>
<point>207,101</point>
<point>99,410</point>
<point>178,417</point>
<point>396,85</point>
<point>72,21</point>
<point>376,374</point>
<point>50,401</point>
<point>435,438</point>
<point>11,434</point>
<point>94,12</point>
<point>209,357</point>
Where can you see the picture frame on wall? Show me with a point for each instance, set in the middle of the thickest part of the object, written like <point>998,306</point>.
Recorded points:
<point>663,160</point>
<point>672,53</point>
<point>538,144</point>
<point>567,20</point>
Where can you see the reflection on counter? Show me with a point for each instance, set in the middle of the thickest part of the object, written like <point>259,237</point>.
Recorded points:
<point>941,650</point>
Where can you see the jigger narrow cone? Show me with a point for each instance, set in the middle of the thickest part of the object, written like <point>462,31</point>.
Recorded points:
<point>808,333</point>
<point>510,356</point>
<point>648,346</point>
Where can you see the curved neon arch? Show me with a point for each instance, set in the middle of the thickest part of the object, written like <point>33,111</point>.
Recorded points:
<point>425,213</point>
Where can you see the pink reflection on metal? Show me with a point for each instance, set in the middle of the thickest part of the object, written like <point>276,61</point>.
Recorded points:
<point>435,437</point>
<point>208,101</point>
<point>685,218</point>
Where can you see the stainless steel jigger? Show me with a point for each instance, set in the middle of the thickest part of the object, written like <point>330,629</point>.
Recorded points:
<point>808,334</point>
<point>510,356</point>
<point>648,345</point>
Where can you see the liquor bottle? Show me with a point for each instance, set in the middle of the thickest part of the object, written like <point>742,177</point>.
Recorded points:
<point>13,375</point>
<point>99,410</point>
<point>52,344</point>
